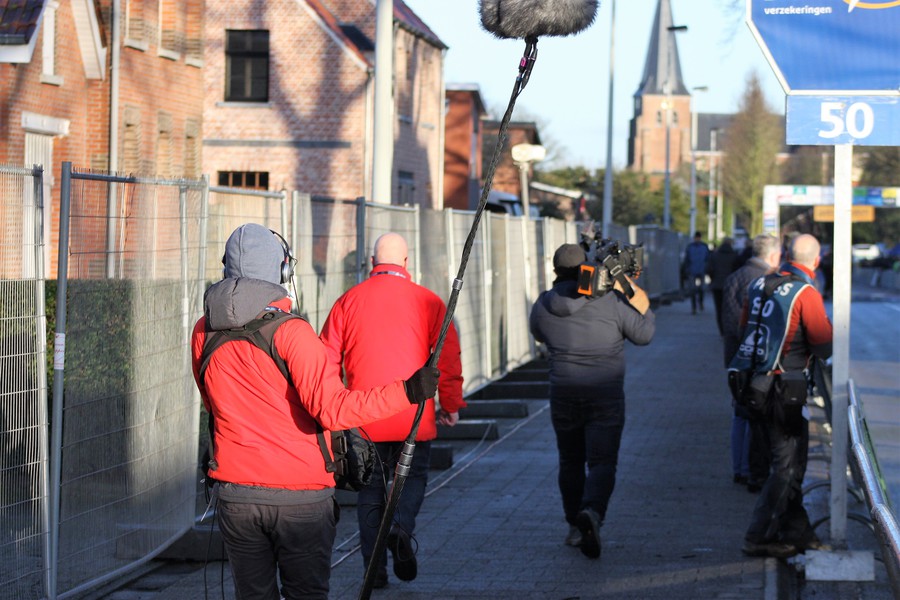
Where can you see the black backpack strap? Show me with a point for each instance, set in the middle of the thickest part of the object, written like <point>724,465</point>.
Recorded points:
<point>261,333</point>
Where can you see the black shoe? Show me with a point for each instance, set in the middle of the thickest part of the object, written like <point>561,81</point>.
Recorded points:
<point>754,487</point>
<point>740,479</point>
<point>773,549</point>
<point>405,566</point>
<point>588,522</point>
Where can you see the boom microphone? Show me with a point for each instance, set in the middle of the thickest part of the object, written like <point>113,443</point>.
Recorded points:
<point>534,18</point>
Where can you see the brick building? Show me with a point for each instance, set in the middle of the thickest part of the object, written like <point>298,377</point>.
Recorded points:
<point>63,66</point>
<point>290,92</point>
<point>462,146</point>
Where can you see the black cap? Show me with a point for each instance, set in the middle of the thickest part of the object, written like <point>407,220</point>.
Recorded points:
<point>568,256</point>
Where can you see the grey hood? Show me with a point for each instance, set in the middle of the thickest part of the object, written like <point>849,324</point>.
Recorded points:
<point>563,299</point>
<point>235,301</point>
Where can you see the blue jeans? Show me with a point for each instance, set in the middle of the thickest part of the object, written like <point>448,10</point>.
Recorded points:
<point>372,499</point>
<point>588,434</point>
<point>740,445</point>
<point>293,542</point>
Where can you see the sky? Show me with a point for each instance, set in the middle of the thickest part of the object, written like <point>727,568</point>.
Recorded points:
<point>568,91</point>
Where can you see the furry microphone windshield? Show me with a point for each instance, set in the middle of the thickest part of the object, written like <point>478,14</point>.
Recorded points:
<point>536,18</point>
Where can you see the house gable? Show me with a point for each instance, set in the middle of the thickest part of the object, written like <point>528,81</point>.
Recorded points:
<point>330,25</point>
<point>18,30</point>
<point>90,38</point>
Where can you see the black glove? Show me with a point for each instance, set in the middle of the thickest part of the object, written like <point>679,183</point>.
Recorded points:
<point>422,384</point>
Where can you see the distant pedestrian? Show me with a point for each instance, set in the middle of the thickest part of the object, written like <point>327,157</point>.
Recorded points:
<point>749,452</point>
<point>786,328</point>
<point>693,268</point>
<point>585,337</point>
<point>719,266</point>
<point>378,331</point>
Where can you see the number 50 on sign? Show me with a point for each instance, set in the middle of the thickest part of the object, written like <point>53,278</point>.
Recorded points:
<point>832,120</point>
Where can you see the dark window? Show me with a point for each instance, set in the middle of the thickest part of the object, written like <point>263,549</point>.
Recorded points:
<point>406,186</point>
<point>359,39</point>
<point>247,66</point>
<point>256,180</point>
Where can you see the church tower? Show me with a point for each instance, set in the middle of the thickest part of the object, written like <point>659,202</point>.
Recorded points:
<point>662,103</point>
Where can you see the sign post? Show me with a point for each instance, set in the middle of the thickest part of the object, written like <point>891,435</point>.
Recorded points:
<point>837,62</point>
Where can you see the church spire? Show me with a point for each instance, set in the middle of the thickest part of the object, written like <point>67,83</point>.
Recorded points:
<point>662,69</point>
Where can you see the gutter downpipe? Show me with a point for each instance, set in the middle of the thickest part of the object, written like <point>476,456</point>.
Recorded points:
<point>114,77</point>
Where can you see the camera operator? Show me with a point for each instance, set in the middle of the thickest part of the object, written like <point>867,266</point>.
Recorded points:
<point>585,337</point>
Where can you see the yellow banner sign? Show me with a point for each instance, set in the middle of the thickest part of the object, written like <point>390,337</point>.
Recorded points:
<point>861,213</point>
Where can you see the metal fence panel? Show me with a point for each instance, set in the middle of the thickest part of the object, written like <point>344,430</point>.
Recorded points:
<point>662,260</point>
<point>499,306</point>
<point>135,281</point>
<point>328,256</point>
<point>518,307</point>
<point>229,208</point>
<point>23,387</point>
<point>470,317</point>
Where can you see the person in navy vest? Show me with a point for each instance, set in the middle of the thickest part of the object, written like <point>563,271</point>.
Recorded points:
<point>786,327</point>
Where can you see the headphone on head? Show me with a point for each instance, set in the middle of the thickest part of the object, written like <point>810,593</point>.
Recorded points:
<point>287,264</point>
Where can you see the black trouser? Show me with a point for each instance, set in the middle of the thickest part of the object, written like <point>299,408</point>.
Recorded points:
<point>588,434</point>
<point>779,515</point>
<point>293,542</point>
<point>718,295</point>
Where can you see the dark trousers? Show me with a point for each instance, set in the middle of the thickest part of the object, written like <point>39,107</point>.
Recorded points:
<point>293,542</point>
<point>372,499</point>
<point>779,515</point>
<point>759,451</point>
<point>695,289</point>
<point>718,296</point>
<point>588,434</point>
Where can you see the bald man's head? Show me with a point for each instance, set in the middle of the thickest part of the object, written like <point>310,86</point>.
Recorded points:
<point>390,248</point>
<point>805,250</point>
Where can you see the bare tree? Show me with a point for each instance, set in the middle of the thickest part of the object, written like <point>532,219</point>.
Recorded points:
<point>754,139</point>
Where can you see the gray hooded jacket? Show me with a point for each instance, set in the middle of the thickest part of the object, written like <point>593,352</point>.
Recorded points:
<point>586,339</point>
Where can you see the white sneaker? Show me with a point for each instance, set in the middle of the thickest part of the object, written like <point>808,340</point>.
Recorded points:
<point>574,537</point>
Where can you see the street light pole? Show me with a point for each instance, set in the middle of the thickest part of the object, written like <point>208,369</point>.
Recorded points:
<point>693,228</point>
<point>608,175</point>
<point>667,203</point>
<point>713,188</point>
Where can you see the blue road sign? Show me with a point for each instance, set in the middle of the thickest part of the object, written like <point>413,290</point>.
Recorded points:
<point>831,120</point>
<point>836,46</point>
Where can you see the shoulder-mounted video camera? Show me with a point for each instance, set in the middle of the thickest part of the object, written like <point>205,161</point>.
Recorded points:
<point>608,261</point>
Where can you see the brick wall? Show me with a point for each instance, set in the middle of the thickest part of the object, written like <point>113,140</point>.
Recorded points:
<point>418,87</point>
<point>460,127</point>
<point>649,135</point>
<point>162,93</point>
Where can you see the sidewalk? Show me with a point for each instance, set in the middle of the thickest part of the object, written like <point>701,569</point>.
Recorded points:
<point>492,527</point>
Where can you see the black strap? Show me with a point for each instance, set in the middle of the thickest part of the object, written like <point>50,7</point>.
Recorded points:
<point>261,333</point>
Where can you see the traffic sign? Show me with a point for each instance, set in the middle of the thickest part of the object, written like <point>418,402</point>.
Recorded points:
<point>838,46</point>
<point>830,120</point>
<point>859,214</point>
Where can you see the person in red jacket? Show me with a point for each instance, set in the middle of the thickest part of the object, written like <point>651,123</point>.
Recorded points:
<point>275,499</point>
<point>381,329</point>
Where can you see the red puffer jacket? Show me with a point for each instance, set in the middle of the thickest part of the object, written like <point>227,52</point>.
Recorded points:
<point>265,429</point>
<point>384,329</point>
